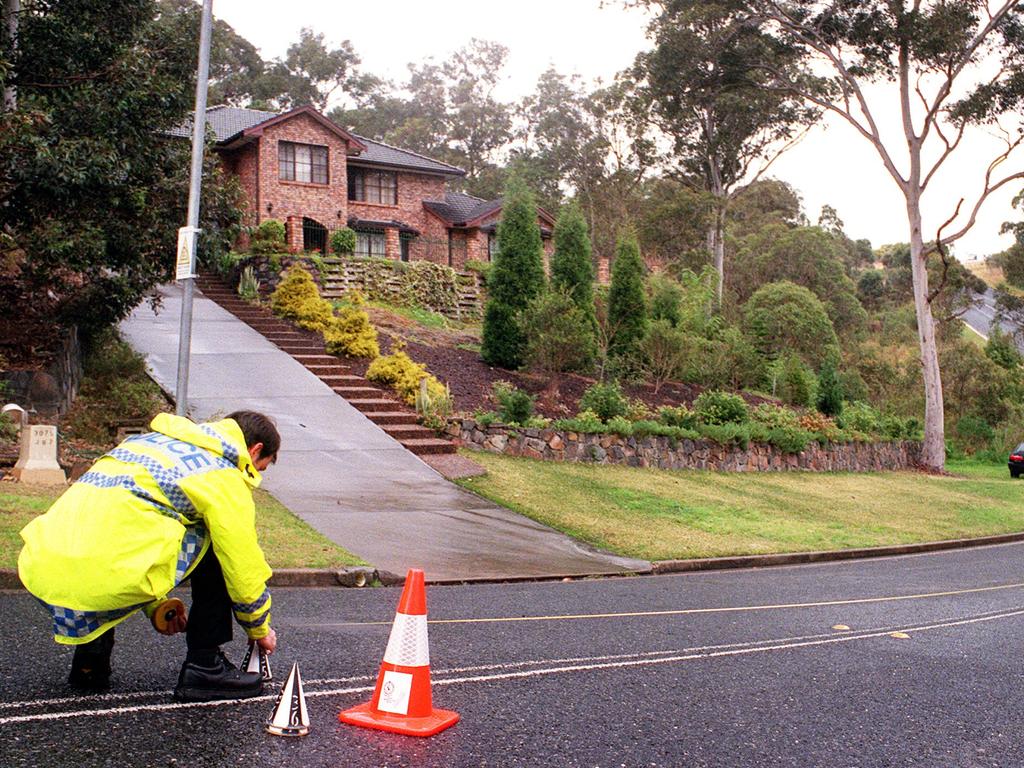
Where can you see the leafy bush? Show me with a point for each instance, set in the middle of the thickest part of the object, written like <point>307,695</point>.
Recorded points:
<point>665,296</point>
<point>785,318</point>
<point>773,416</point>
<point>268,238</point>
<point>559,338</point>
<point>714,407</point>
<point>793,381</point>
<point>824,428</point>
<point>1001,350</point>
<point>678,416</point>
<point>620,425</point>
<point>789,439</point>
<point>350,332</point>
<point>402,374</point>
<point>434,408</point>
<point>343,241</point>
<point>859,417</point>
<point>728,433</point>
<point>315,314</point>
<point>295,289</point>
<point>605,400</point>
<point>586,422</point>
<point>665,350</point>
<point>514,405</point>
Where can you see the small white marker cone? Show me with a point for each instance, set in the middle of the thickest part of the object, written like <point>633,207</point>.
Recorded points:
<point>290,717</point>
<point>257,662</point>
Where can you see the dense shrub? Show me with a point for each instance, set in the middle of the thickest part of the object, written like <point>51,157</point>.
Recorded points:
<point>343,241</point>
<point>295,289</point>
<point>402,374</point>
<point>315,314</point>
<point>586,422</point>
<point>605,400</point>
<point>665,352</point>
<point>859,417</point>
<point>678,416</point>
<point>786,318</point>
<point>794,382</point>
<point>773,416</point>
<point>730,433</point>
<point>1001,350</point>
<point>788,439</point>
<point>714,407</point>
<point>729,360</point>
<point>830,389</point>
<point>559,338</point>
<point>665,298</point>
<point>350,333</point>
<point>268,238</point>
<point>514,405</point>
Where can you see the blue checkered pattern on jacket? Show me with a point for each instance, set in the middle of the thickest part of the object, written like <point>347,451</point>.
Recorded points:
<point>191,546</point>
<point>229,451</point>
<point>166,479</point>
<point>68,622</point>
<point>100,480</point>
<point>253,606</point>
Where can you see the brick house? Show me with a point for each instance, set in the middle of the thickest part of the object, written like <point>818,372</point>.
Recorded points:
<point>312,174</point>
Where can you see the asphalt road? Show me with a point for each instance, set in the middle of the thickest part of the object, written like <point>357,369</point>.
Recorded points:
<point>982,317</point>
<point>732,668</point>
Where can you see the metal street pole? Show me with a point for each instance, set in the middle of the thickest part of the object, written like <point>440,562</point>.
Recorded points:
<point>187,235</point>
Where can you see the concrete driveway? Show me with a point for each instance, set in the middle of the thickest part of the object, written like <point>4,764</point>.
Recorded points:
<point>340,472</point>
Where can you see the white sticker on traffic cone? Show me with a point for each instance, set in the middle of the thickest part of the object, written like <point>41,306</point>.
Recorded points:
<point>290,717</point>
<point>257,662</point>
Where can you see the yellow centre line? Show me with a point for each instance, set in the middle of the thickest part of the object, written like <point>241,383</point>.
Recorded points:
<point>728,609</point>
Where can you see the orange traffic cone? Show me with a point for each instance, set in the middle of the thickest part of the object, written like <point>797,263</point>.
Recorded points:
<point>401,702</point>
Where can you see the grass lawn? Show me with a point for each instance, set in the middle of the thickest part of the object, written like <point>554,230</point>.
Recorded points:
<point>660,515</point>
<point>287,541</point>
<point>972,336</point>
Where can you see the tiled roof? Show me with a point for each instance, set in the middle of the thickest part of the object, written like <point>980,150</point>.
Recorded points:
<point>227,122</point>
<point>378,153</point>
<point>458,208</point>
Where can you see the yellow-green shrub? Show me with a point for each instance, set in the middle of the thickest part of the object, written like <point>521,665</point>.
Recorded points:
<point>316,314</point>
<point>292,292</point>
<point>350,333</point>
<point>402,374</point>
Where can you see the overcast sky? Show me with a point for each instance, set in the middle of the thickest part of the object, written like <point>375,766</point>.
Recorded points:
<point>832,165</point>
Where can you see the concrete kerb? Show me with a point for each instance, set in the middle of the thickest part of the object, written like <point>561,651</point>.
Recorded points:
<point>366,576</point>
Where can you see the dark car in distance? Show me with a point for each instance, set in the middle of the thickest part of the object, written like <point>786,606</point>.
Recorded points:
<point>1016,462</point>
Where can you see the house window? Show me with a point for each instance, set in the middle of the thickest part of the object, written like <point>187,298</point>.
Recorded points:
<point>372,186</point>
<point>302,162</point>
<point>370,244</point>
<point>492,246</point>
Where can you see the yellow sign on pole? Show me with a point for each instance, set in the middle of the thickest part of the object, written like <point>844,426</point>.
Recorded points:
<point>184,265</point>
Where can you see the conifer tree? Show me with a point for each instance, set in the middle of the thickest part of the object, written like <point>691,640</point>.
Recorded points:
<point>830,389</point>
<point>627,310</point>
<point>516,278</point>
<point>572,268</point>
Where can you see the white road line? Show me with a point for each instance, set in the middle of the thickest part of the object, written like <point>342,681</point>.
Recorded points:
<point>628,661</point>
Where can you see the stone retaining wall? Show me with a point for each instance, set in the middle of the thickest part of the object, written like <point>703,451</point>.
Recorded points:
<point>51,391</point>
<point>664,453</point>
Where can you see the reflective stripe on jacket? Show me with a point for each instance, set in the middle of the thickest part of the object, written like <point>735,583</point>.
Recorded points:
<point>131,529</point>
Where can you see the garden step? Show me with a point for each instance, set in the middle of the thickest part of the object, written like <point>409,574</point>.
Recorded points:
<point>356,393</point>
<point>308,360</point>
<point>402,432</point>
<point>292,349</point>
<point>426,446</point>
<point>340,371</point>
<point>341,380</point>
<point>373,404</point>
<point>390,417</point>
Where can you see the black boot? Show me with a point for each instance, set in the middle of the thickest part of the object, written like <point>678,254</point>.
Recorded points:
<point>208,675</point>
<point>90,666</point>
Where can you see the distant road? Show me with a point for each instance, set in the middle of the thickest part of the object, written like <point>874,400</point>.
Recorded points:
<point>982,317</point>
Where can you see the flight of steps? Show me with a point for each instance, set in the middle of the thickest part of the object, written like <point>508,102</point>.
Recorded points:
<point>376,404</point>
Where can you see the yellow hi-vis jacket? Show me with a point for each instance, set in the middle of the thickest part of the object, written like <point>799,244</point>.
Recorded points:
<point>133,527</point>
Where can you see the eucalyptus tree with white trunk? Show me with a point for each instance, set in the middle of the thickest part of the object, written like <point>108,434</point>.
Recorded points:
<point>947,67</point>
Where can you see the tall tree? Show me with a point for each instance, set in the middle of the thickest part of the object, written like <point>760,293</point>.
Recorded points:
<point>572,266</point>
<point>516,278</point>
<point>948,67</point>
<point>627,305</point>
<point>91,191</point>
<point>702,85</point>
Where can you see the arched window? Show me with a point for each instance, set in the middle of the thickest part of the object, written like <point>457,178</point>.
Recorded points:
<point>314,235</point>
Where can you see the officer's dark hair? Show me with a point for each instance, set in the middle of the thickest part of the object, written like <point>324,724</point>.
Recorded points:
<point>258,428</point>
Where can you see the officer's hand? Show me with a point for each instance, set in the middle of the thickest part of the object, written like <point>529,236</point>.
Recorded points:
<point>176,625</point>
<point>268,643</point>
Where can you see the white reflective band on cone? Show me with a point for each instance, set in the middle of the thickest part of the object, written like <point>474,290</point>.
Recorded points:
<point>408,646</point>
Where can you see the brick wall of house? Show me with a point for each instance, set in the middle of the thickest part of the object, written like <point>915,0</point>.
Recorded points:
<point>432,244</point>
<point>413,189</point>
<point>324,203</point>
<point>243,163</point>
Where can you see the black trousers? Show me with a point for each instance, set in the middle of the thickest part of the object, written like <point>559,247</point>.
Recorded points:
<point>209,620</point>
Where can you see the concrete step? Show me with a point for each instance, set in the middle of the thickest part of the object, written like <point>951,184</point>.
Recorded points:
<point>357,393</point>
<point>308,360</point>
<point>403,432</point>
<point>372,404</point>
<point>391,417</point>
<point>428,446</point>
